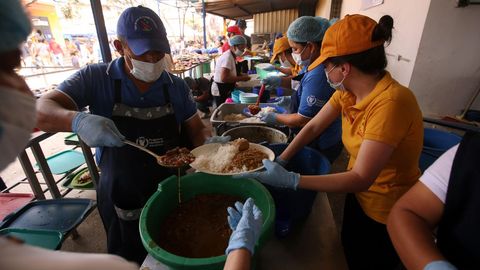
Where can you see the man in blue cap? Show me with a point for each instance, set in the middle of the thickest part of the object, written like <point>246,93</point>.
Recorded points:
<point>132,98</point>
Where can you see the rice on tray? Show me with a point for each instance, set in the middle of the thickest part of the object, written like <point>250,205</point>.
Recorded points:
<point>216,161</point>
<point>232,157</point>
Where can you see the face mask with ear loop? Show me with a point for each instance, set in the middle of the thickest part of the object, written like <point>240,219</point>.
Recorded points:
<point>286,63</point>
<point>145,71</point>
<point>338,85</point>
<point>239,52</point>
<point>298,58</point>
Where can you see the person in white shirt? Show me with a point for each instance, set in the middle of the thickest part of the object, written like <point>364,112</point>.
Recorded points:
<point>434,226</point>
<point>226,74</point>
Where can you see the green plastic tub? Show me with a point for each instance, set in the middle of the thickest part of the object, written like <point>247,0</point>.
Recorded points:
<point>165,200</point>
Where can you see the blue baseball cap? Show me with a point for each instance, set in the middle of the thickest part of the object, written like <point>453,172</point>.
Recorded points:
<point>143,30</point>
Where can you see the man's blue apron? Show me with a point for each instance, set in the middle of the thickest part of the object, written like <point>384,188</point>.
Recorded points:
<point>129,176</point>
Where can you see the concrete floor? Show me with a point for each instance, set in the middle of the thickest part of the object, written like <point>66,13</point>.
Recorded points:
<point>313,245</point>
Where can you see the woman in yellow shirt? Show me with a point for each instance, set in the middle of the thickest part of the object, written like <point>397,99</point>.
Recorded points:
<point>382,130</point>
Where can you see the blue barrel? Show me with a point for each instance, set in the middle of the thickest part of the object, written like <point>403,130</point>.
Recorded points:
<point>435,143</point>
<point>296,205</point>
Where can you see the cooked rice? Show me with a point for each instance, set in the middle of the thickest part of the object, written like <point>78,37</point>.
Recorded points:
<point>216,161</point>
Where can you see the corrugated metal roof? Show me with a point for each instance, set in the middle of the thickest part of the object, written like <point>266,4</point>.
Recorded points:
<point>245,9</point>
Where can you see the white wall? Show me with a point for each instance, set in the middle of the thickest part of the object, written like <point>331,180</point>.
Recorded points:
<point>409,18</point>
<point>447,69</point>
<point>323,8</point>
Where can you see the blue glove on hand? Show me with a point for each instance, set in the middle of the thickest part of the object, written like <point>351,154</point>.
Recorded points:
<point>218,139</point>
<point>281,161</point>
<point>272,81</point>
<point>270,118</point>
<point>246,222</point>
<point>284,102</point>
<point>275,175</point>
<point>96,130</point>
<point>439,265</point>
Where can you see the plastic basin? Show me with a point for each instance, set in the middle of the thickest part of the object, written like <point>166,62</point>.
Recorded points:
<point>291,204</point>
<point>435,143</point>
<point>165,199</point>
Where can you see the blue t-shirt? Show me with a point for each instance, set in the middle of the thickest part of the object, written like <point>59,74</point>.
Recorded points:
<point>313,93</point>
<point>94,86</point>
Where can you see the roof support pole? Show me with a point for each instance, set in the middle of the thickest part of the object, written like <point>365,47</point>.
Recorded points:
<point>204,15</point>
<point>101,30</point>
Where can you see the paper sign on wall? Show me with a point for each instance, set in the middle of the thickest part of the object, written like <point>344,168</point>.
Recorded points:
<point>366,4</point>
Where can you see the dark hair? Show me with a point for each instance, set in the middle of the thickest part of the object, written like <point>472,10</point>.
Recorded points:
<point>190,82</point>
<point>374,60</point>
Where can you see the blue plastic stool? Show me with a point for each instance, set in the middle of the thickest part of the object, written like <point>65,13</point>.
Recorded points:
<point>295,205</point>
<point>435,143</point>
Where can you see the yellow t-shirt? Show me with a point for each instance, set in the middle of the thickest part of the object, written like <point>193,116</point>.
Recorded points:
<point>389,114</point>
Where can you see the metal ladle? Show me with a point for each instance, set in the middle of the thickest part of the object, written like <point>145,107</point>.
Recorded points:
<point>161,163</point>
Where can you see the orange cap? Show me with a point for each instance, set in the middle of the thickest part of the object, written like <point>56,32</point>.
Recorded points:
<point>279,46</point>
<point>350,35</point>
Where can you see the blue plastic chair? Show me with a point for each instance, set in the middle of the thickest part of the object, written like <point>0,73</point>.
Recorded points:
<point>435,143</point>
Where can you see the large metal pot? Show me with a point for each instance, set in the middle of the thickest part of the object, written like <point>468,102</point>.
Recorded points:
<point>257,134</point>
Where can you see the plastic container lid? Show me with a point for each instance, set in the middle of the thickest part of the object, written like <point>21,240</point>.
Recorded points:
<point>60,215</point>
<point>65,161</point>
<point>39,238</point>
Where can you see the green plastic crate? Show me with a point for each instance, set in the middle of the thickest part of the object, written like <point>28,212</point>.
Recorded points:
<point>165,200</point>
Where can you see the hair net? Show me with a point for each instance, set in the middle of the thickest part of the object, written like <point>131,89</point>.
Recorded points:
<point>307,28</point>
<point>14,25</point>
<point>237,40</point>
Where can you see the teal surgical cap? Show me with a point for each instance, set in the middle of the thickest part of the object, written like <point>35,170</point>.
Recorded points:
<point>237,40</point>
<point>308,29</point>
<point>14,25</point>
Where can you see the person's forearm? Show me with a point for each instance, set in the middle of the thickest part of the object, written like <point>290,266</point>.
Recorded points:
<point>287,71</point>
<point>305,136</point>
<point>238,259</point>
<point>418,249</point>
<point>311,130</point>
<point>293,120</point>
<point>52,117</point>
<point>197,131</point>
<point>337,182</point>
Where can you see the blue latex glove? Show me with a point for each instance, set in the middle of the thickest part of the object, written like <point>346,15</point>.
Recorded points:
<point>281,161</point>
<point>440,265</point>
<point>275,175</point>
<point>218,139</point>
<point>270,118</point>
<point>284,102</point>
<point>96,130</point>
<point>246,222</point>
<point>272,81</point>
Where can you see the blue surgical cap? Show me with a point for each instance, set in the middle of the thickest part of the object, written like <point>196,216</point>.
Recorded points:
<point>14,25</point>
<point>237,40</point>
<point>308,29</point>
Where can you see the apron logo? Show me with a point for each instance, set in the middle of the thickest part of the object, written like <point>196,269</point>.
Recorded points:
<point>150,142</point>
<point>145,24</point>
<point>142,141</point>
<point>314,101</point>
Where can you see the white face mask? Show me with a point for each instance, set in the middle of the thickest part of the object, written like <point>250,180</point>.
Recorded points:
<point>239,52</point>
<point>338,85</point>
<point>147,72</point>
<point>17,120</point>
<point>285,63</point>
<point>298,58</point>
